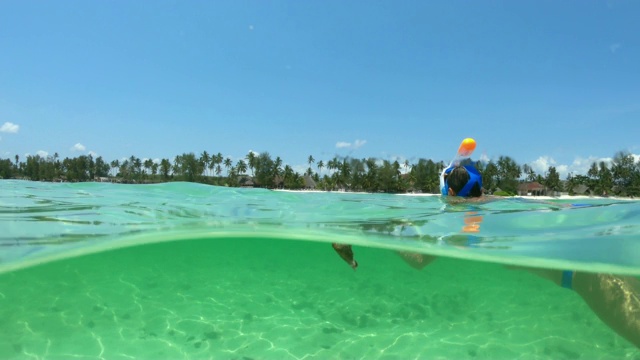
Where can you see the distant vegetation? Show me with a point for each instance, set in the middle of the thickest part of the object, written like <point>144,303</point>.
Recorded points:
<point>621,177</point>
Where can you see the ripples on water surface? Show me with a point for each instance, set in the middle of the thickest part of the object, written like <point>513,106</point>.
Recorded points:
<point>248,273</point>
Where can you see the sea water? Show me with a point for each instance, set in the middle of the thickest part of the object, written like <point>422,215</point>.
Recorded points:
<point>188,271</point>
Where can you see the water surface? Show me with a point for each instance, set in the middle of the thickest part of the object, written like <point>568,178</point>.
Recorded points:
<point>190,271</point>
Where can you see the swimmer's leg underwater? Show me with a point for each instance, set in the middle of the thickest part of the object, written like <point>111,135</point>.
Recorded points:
<point>615,299</point>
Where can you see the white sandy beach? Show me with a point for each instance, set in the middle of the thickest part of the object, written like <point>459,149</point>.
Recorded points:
<point>561,197</point>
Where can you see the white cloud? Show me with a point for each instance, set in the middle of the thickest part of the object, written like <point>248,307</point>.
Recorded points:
<point>541,165</point>
<point>9,127</point>
<point>251,27</point>
<point>615,47</point>
<point>347,145</point>
<point>579,166</point>
<point>359,143</point>
<point>42,153</point>
<point>156,160</point>
<point>563,171</point>
<point>399,158</point>
<point>78,147</point>
<point>93,154</point>
<point>301,169</point>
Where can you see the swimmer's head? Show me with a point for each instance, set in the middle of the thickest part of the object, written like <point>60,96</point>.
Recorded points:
<point>463,181</point>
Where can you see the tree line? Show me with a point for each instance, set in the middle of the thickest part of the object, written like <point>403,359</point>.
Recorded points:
<point>620,177</point>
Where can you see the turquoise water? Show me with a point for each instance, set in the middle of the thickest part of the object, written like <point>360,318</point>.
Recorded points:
<point>187,271</point>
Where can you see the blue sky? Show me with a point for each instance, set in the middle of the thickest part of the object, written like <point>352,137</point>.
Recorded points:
<point>545,82</point>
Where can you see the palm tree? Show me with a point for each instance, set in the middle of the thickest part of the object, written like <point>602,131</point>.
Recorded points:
<point>251,159</point>
<point>276,171</point>
<point>205,159</point>
<point>56,165</point>
<point>277,166</point>
<point>529,173</point>
<point>148,163</point>
<point>288,174</point>
<point>605,179</point>
<point>189,167</point>
<point>217,161</point>
<point>132,162</point>
<point>593,174</point>
<point>490,177</point>
<point>623,169</point>
<point>124,170</point>
<point>508,174</point>
<point>371,178</point>
<point>228,164</point>
<point>165,168</point>
<point>344,174</point>
<point>320,165</point>
<point>241,166</point>
<point>154,169</point>
<point>310,160</point>
<point>552,181</point>
<point>357,173</point>
<point>333,164</point>
<point>138,164</point>
<point>115,164</point>
<point>570,183</point>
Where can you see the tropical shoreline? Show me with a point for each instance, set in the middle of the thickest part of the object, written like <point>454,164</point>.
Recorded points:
<point>620,177</point>
<point>541,197</point>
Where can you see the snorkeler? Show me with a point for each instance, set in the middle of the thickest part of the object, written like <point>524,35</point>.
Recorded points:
<point>614,299</point>
<point>463,181</point>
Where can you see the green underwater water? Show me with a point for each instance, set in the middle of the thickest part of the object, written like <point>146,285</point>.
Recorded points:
<point>185,271</point>
<point>257,298</point>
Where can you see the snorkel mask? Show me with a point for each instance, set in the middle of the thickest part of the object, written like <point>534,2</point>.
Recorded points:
<point>474,178</point>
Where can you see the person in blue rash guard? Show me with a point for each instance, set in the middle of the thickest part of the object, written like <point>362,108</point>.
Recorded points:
<point>461,184</point>
<point>614,299</point>
<point>463,181</point>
